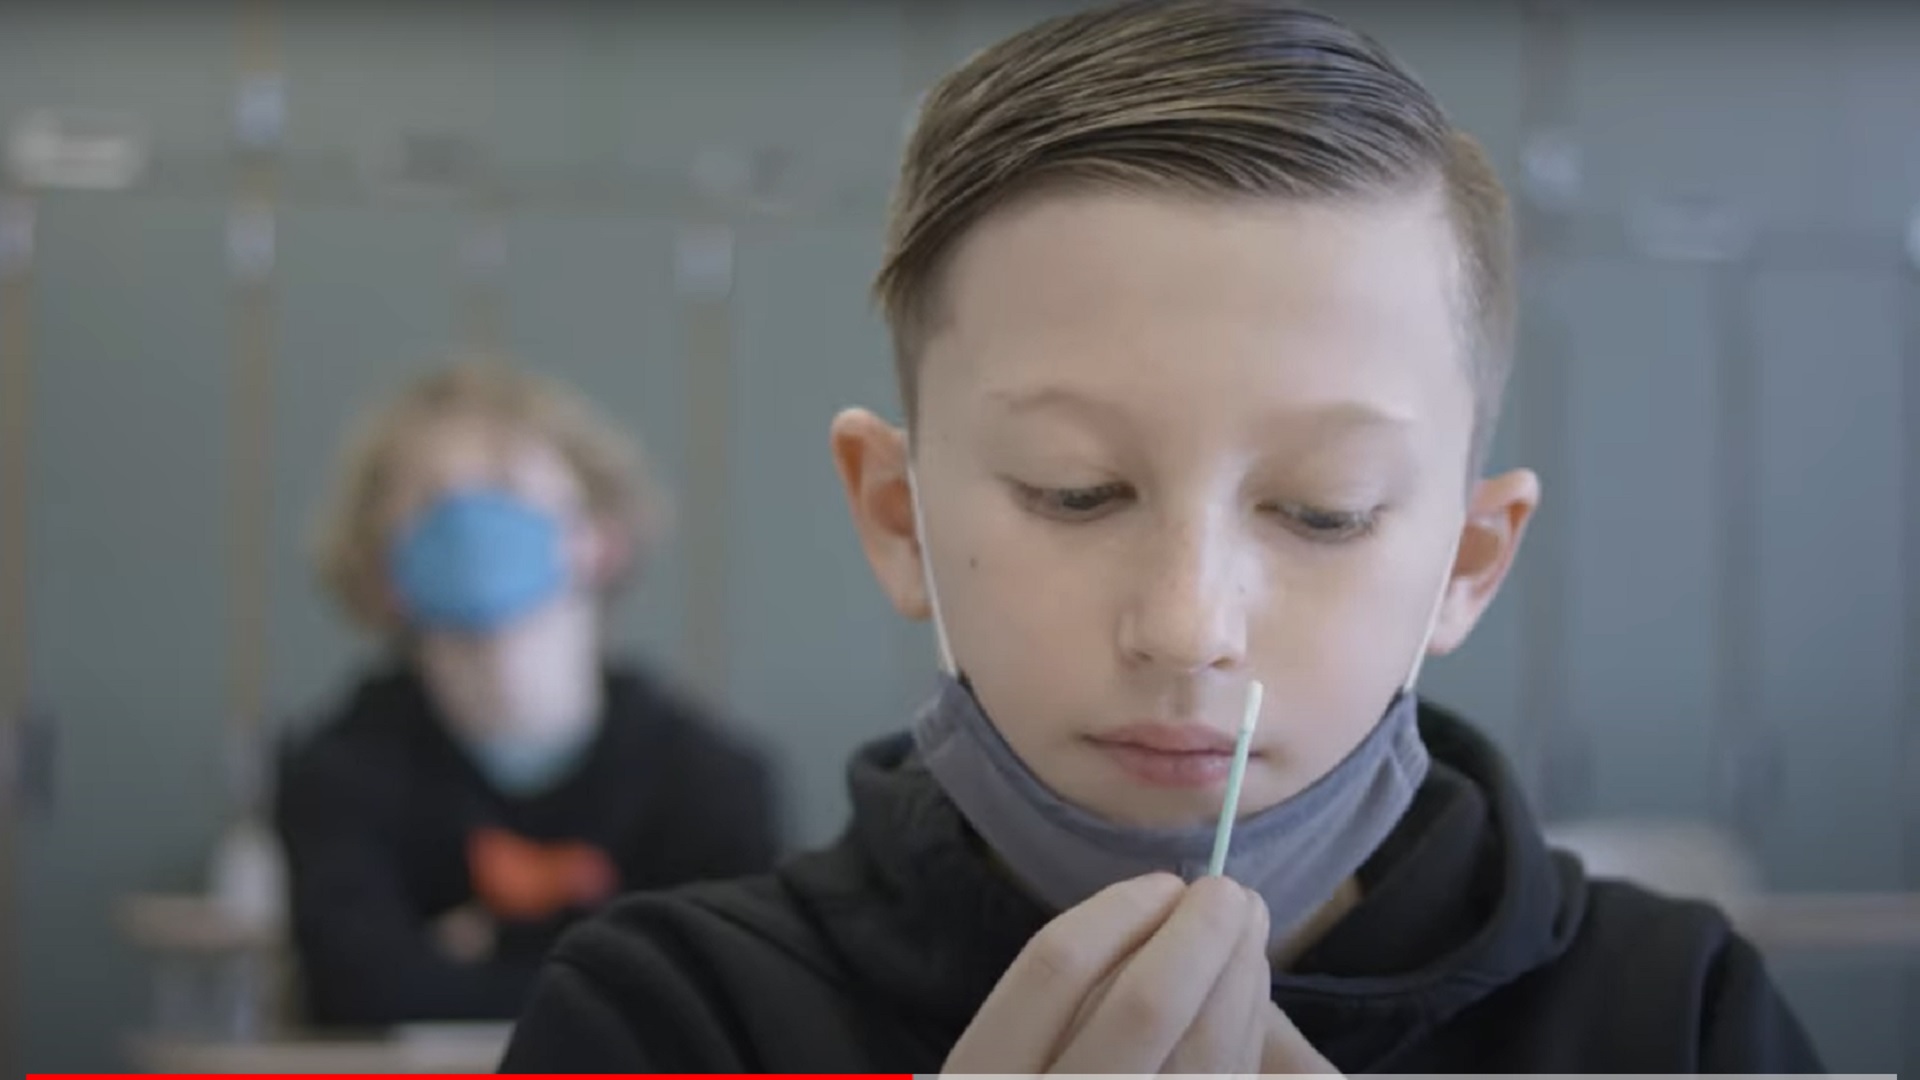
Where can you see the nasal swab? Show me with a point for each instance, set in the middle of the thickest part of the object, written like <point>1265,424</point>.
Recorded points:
<point>1223,834</point>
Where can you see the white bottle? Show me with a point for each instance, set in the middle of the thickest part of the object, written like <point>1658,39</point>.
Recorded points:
<point>249,881</point>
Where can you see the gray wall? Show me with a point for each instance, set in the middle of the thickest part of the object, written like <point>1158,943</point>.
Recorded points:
<point>1726,560</point>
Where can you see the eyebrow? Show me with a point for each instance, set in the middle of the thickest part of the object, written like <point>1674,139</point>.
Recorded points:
<point>1048,399</point>
<point>1343,414</point>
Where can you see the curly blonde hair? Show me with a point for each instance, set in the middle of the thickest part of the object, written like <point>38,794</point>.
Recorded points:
<point>610,466</point>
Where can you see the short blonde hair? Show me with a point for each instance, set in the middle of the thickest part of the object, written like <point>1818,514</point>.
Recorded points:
<point>1210,98</point>
<point>612,472</point>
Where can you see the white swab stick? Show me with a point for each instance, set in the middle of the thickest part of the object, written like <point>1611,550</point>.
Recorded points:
<point>1223,834</point>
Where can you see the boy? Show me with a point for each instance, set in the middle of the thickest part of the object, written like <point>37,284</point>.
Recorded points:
<point>1202,312</point>
<point>495,777</point>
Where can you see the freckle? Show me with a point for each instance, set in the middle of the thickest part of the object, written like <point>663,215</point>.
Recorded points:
<point>973,562</point>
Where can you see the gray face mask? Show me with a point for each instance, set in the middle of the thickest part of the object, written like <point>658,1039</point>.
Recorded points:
<point>1295,854</point>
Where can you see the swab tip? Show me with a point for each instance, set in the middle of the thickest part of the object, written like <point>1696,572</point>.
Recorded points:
<point>1255,693</point>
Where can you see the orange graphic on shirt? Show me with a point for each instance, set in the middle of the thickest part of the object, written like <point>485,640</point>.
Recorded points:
<point>521,880</point>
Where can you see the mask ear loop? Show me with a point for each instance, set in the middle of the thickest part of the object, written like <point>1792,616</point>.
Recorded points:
<point>1433,618</point>
<point>947,665</point>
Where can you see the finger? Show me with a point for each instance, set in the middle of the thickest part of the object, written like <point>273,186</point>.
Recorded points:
<point>1259,977</point>
<point>1091,1002</point>
<point>1023,1021</point>
<point>1286,1052</point>
<point>1226,1036</point>
<point>1097,995</point>
<point>1161,988</point>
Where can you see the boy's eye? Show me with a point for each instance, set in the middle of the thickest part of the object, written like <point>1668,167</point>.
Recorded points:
<point>1072,504</point>
<point>1328,526</point>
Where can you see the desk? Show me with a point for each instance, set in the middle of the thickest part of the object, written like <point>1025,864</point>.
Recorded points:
<point>434,1049</point>
<point>238,1023</point>
<point>1887,923</point>
<point>210,974</point>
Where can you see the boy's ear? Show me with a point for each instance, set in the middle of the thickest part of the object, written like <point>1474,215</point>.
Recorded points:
<point>607,551</point>
<point>613,552</point>
<point>1497,517</point>
<point>871,457</point>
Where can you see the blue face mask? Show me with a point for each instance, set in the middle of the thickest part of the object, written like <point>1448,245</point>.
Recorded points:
<point>476,560</point>
<point>528,764</point>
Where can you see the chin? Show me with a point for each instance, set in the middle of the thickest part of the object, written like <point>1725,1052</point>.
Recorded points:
<point>1165,817</point>
<point>1128,801</point>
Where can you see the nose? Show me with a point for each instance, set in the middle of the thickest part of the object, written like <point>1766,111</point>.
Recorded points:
<point>1189,598</point>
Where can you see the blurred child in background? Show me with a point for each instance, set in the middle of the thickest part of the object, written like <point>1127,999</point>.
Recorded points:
<point>496,775</point>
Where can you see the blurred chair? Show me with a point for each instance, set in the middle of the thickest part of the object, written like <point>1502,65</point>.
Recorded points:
<point>1699,860</point>
<point>1692,860</point>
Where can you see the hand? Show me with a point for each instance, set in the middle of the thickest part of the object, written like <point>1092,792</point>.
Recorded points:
<point>465,934</point>
<point>1149,976</point>
<point>521,880</point>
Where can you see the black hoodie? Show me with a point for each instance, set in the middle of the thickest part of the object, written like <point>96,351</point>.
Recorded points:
<point>1474,949</point>
<point>376,809</point>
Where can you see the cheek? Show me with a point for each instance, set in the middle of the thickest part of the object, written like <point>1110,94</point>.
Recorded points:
<point>584,553</point>
<point>998,577</point>
<point>1025,623</point>
<point>1334,648</point>
<point>1325,636</point>
<point>1015,607</point>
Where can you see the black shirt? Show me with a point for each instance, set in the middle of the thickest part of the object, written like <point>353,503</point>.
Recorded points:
<point>377,808</point>
<point>1473,949</point>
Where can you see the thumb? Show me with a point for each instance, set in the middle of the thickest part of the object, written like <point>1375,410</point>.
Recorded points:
<point>1285,1051</point>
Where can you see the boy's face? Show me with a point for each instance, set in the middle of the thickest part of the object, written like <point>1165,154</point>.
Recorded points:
<point>1165,447</point>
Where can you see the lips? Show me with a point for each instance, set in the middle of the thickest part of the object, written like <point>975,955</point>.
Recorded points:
<point>1170,755</point>
<point>1169,738</point>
